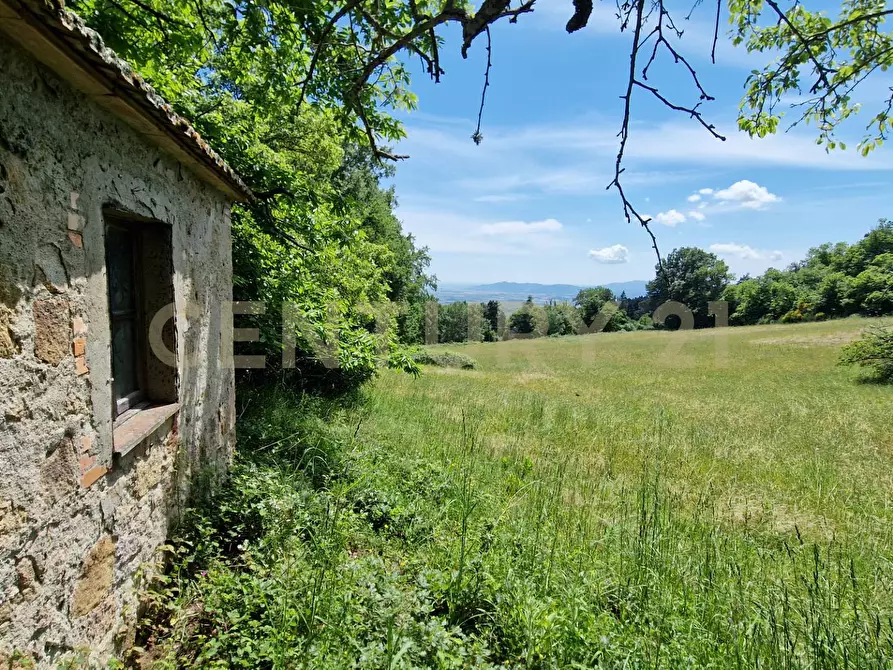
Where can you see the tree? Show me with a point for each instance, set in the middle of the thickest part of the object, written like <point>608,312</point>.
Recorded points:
<point>348,60</point>
<point>874,350</point>
<point>693,277</point>
<point>591,300</point>
<point>530,319</point>
<point>835,279</point>
<point>563,319</point>
<point>820,58</point>
<point>452,322</point>
<point>494,321</point>
<point>872,289</point>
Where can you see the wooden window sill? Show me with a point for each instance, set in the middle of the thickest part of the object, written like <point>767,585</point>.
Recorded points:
<point>137,424</point>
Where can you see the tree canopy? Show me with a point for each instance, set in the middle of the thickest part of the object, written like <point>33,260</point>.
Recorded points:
<point>693,277</point>
<point>300,98</point>
<point>351,59</point>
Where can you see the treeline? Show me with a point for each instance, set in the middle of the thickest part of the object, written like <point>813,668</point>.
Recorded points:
<point>592,310</point>
<point>834,280</point>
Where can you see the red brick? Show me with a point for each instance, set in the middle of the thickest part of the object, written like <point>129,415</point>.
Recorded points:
<point>80,366</point>
<point>87,462</point>
<point>76,239</point>
<point>79,346</point>
<point>93,475</point>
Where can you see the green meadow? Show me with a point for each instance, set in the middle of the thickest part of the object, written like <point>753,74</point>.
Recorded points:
<point>711,499</point>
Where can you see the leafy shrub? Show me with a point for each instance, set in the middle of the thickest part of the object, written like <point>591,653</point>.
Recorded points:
<point>874,350</point>
<point>445,359</point>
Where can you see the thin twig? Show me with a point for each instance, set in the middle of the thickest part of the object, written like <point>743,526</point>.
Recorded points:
<point>624,134</point>
<point>691,111</point>
<point>370,134</point>
<point>477,137</point>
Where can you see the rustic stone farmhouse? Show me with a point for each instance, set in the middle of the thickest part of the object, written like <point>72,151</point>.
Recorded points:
<point>114,225</point>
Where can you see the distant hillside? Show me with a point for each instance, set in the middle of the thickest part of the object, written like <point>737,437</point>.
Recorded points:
<point>512,291</point>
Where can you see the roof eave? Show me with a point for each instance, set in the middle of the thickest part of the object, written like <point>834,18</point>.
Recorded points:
<point>60,40</point>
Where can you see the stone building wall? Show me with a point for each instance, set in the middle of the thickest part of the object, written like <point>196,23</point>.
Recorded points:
<point>77,521</point>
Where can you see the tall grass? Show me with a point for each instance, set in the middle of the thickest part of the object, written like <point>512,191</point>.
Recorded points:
<point>557,507</point>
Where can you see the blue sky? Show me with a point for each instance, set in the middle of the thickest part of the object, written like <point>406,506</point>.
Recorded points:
<point>529,203</point>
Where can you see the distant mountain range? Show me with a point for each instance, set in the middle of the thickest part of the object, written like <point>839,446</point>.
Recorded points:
<point>513,291</point>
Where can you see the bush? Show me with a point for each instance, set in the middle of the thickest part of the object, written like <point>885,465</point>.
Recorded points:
<point>874,350</point>
<point>445,359</point>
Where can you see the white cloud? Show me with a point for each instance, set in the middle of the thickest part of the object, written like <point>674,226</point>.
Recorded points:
<point>670,218</point>
<point>613,254</point>
<point>694,197</point>
<point>696,215</point>
<point>705,191</point>
<point>746,252</point>
<point>747,194</point>
<point>444,231</point>
<point>521,227</point>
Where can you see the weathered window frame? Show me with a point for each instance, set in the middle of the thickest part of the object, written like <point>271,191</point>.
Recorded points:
<point>136,316</point>
<point>140,412</point>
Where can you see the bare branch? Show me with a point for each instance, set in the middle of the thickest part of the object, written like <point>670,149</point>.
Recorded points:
<point>513,14</point>
<point>691,111</point>
<point>477,137</point>
<point>628,208</point>
<point>677,57</point>
<point>433,63</point>
<point>426,24</point>
<point>489,12</point>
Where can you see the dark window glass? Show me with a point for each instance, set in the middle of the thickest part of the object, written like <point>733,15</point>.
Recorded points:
<point>123,309</point>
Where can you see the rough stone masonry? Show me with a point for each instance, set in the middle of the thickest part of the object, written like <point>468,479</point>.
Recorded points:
<point>80,515</point>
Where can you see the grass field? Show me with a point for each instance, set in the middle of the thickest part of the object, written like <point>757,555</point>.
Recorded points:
<point>760,419</point>
<point>723,489</point>
<point>716,499</point>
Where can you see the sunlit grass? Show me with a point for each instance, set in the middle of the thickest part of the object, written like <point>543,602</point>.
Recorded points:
<point>762,416</point>
<point>751,440</point>
<point>711,499</point>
